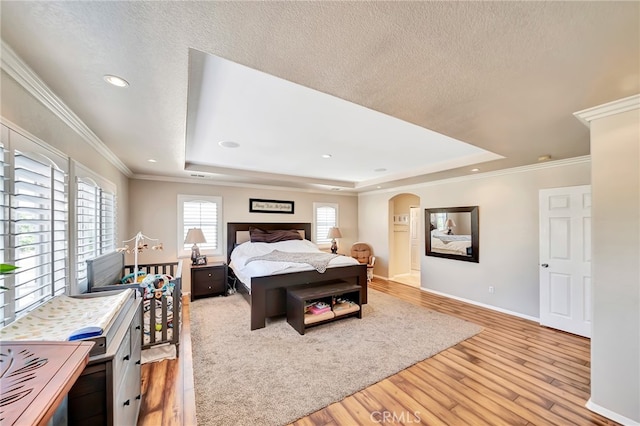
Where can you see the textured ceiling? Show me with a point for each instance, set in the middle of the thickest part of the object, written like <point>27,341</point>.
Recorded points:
<point>502,76</point>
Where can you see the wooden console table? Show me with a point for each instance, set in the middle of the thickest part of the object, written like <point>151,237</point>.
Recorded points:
<point>35,377</point>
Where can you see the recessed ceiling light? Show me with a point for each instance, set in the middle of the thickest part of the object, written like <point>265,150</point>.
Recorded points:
<point>544,157</point>
<point>151,160</point>
<point>326,155</point>
<point>378,187</point>
<point>382,169</point>
<point>335,189</point>
<point>115,80</point>
<point>229,144</point>
<point>475,170</point>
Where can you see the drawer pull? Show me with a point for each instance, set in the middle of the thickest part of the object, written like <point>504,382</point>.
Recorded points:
<point>137,327</point>
<point>126,358</point>
<point>139,396</point>
<point>127,402</point>
<point>138,362</point>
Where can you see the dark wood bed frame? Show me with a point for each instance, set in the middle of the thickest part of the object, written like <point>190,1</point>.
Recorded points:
<point>268,295</point>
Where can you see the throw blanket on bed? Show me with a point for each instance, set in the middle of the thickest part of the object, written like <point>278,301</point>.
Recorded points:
<point>319,261</point>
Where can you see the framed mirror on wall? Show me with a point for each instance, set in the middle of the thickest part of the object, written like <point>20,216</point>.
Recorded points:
<point>452,233</point>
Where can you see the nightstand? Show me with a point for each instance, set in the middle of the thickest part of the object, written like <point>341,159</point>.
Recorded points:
<point>208,280</point>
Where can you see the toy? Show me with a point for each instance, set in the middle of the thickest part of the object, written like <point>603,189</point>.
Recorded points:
<point>157,285</point>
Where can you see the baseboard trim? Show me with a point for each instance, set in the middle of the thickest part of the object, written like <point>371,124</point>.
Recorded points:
<point>483,305</point>
<point>610,414</point>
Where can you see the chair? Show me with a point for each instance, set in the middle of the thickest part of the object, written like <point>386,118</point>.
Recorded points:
<point>362,253</point>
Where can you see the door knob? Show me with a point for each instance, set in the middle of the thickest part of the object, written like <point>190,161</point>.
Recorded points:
<point>545,265</point>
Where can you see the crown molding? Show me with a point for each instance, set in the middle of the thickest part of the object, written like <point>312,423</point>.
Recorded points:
<point>17,69</point>
<point>207,181</point>
<point>476,176</point>
<point>610,108</point>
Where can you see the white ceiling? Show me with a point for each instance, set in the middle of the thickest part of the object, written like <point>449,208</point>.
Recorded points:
<point>495,82</point>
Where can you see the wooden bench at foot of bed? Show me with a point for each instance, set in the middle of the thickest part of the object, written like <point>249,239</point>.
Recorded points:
<point>268,296</point>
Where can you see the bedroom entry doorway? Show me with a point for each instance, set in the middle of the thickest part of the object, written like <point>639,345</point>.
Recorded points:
<point>565,259</point>
<point>404,241</point>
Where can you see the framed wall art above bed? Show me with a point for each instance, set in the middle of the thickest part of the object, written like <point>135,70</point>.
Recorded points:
<point>270,206</point>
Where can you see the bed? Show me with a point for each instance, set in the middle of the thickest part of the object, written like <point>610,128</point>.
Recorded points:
<point>266,293</point>
<point>161,292</point>
<point>450,244</point>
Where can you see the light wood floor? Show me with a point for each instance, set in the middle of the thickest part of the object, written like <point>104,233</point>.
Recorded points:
<point>514,372</point>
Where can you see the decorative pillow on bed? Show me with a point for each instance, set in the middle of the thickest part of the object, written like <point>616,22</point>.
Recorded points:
<point>261,236</point>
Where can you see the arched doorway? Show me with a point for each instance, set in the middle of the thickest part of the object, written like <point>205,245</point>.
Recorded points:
<point>404,239</point>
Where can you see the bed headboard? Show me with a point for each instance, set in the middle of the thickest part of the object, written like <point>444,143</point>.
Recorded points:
<point>234,227</point>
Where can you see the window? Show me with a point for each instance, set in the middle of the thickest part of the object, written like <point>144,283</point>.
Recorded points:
<point>325,216</point>
<point>96,222</point>
<point>4,224</point>
<point>204,212</point>
<point>441,218</point>
<point>35,225</point>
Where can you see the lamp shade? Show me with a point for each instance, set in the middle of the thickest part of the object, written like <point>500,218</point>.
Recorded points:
<point>334,233</point>
<point>450,223</point>
<point>195,236</point>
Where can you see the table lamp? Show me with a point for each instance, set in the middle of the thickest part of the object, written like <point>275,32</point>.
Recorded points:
<point>333,234</point>
<point>195,236</point>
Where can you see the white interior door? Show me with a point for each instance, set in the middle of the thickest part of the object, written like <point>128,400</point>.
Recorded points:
<point>565,259</point>
<point>414,229</point>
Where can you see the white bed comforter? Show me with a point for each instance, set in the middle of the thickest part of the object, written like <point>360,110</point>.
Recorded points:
<point>259,268</point>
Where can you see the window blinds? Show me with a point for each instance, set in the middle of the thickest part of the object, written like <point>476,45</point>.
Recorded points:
<point>96,215</point>
<point>38,228</point>
<point>204,215</point>
<point>325,219</point>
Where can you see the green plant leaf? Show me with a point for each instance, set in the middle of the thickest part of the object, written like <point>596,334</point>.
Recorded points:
<point>6,269</point>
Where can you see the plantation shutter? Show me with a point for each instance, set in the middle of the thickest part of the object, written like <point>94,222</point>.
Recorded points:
<point>95,224</point>
<point>204,215</point>
<point>325,219</point>
<point>87,225</point>
<point>4,230</point>
<point>38,218</point>
<point>107,221</point>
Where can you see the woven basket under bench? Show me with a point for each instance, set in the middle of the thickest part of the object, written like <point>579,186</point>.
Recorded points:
<point>106,272</point>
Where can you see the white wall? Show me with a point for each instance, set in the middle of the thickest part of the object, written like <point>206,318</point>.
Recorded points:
<point>508,215</point>
<point>19,108</point>
<point>154,212</point>
<point>615,343</point>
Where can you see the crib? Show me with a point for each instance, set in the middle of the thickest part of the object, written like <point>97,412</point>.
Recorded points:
<point>161,312</point>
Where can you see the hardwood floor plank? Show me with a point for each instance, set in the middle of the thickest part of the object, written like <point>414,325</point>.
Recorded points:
<point>412,377</point>
<point>412,411</point>
<point>428,403</point>
<point>479,402</point>
<point>506,382</point>
<point>489,381</point>
<point>513,372</point>
<point>341,415</point>
<point>357,410</point>
<point>578,417</point>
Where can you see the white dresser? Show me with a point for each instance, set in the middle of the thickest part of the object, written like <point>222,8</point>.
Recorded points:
<point>108,392</point>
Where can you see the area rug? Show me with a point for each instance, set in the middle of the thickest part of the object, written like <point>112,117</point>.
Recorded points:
<point>274,376</point>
